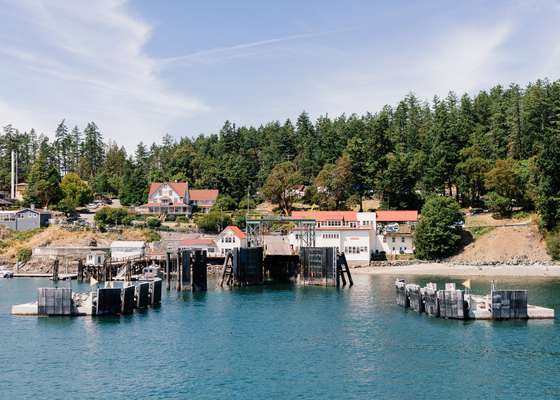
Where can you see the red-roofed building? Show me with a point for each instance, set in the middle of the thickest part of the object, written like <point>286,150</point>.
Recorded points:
<point>230,238</point>
<point>361,235</point>
<point>176,198</point>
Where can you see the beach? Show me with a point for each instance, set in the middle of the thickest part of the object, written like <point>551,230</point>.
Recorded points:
<point>445,269</point>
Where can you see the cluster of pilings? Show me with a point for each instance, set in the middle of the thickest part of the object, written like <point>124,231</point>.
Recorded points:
<point>452,303</point>
<point>187,269</point>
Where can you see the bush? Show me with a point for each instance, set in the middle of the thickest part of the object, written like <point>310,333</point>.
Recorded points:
<point>225,203</point>
<point>436,233</point>
<point>553,244</point>
<point>113,216</point>
<point>153,222</point>
<point>152,236</point>
<point>499,204</point>
<point>170,217</point>
<point>24,254</point>
<point>181,218</point>
<point>212,222</point>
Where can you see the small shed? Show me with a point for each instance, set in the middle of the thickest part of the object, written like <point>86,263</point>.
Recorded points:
<point>122,249</point>
<point>96,258</point>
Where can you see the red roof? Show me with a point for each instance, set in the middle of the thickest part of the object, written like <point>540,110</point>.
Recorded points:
<point>203,194</point>
<point>326,215</point>
<point>236,231</point>
<point>397,216</point>
<point>197,242</point>
<point>179,187</point>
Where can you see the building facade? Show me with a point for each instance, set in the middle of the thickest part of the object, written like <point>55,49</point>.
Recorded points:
<point>25,219</point>
<point>204,244</point>
<point>230,238</point>
<point>176,198</point>
<point>360,235</point>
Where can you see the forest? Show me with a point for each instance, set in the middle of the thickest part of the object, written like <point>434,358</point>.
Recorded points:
<point>499,149</point>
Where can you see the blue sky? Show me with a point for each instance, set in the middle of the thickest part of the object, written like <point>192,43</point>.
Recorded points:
<point>144,68</point>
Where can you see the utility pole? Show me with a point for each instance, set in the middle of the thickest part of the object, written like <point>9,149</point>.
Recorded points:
<point>13,176</point>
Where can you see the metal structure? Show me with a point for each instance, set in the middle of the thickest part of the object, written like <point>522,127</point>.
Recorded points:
<point>257,227</point>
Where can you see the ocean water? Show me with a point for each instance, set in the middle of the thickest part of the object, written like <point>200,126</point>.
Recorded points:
<point>279,342</point>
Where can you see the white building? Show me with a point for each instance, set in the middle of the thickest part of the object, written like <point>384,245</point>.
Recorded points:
<point>230,238</point>
<point>125,249</point>
<point>205,244</point>
<point>395,232</point>
<point>176,198</point>
<point>359,234</point>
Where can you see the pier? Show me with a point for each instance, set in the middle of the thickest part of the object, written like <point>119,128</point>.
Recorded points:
<point>452,303</point>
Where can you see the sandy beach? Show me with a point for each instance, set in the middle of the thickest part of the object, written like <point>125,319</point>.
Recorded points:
<point>463,270</point>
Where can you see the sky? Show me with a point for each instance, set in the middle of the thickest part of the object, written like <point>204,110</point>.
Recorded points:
<point>143,68</point>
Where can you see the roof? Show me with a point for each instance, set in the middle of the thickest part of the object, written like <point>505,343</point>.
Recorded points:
<point>128,243</point>
<point>326,215</point>
<point>236,231</point>
<point>197,242</point>
<point>397,216</point>
<point>203,194</point>
<point>179,187</point>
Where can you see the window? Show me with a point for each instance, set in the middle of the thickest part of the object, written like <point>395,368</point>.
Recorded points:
<point>402,239</point>
<point>330,236</point>
<point>393,240</point>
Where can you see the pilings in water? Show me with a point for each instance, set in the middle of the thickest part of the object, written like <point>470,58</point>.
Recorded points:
<point>189,269</point>
<point>452,303</point>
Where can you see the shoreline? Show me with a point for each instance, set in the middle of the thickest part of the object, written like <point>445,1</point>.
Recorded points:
<point>444,269</point>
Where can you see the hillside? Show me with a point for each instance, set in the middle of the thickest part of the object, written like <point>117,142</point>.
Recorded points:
<point>522,243</point>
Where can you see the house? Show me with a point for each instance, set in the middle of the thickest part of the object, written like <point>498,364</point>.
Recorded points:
<point>176,198</point>
<point>230,238</point>
<point>360,235</point>
<point>395,231</point>
<point>203,199</point>
<point>205,244</point>
<point>25,219</point>
<point>298,191</point>
<point>124,249</point>
<point>350,232</point>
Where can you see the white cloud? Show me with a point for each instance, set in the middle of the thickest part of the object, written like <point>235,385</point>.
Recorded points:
<point>84,61</point>
<point>463,60</point>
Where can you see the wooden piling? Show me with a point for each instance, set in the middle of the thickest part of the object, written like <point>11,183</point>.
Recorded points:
<point>168,271</point>
<point>55,271</point>
<point>179,270</point>
<point>80,270</point>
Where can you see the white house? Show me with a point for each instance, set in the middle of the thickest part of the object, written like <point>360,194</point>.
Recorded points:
<point>351,232</point>
<point>230,238</point>
<point>395,231</point>
<point>360,235</point>
<point>124,249</point>
<point>176,198</point>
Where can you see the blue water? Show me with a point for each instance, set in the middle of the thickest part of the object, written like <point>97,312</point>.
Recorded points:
<point>279,342</point>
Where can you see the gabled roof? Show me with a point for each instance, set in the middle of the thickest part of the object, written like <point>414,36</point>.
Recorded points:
<point>397,216</point>
<point>197,242</point>
<point>236,231</point>
<point>326,215</point>
<point>203,194</point>
<point>179,187</point>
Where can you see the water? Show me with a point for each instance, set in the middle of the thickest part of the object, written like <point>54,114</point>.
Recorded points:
<point>279,342</point>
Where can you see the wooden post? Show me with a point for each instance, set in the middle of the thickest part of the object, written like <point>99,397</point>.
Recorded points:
<point>168,270</point>
<point>80,271</point>
<point>55,270</point>
<point>179,270</point>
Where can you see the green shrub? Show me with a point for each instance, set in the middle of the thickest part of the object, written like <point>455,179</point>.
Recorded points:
<point>108,216</point>
<point>24,254</point>
<point>213,221</point>
<point>553,244</point>
<point>170,217</point>
<point>478,231</point>
<point>181,218</point>
<point>153,222</point>
<point>152,236</point>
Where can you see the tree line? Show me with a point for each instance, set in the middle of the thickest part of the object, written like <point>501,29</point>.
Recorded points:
<point>499,148</point>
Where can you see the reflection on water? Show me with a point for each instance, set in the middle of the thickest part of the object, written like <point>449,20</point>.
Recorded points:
<point>280,342</point>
